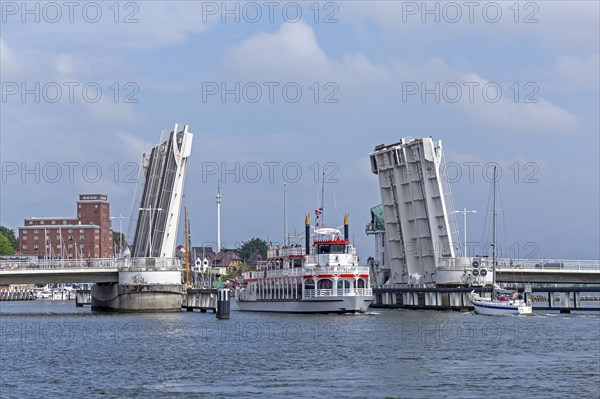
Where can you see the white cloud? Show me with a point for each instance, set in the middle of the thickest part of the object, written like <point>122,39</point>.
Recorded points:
<point>64,64</point>
<point>131,144</point>
<point>289,50</point>
<point>293,53</point>
<point>579,70</point>
<point>520,117</point>
<point>7,58</point>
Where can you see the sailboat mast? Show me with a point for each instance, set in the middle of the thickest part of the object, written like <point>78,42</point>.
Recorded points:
<point>323,201</point>
<point>187,249</point>
<point>285,233</point>
<point>494,231</point>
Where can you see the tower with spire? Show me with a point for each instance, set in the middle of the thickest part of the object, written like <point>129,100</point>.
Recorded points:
<point>219,200</point>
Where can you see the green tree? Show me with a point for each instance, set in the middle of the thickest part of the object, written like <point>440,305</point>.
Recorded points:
<point>251,246</point>
<point>6,247</point>
<point>8,233</point>
<point>117,236</point>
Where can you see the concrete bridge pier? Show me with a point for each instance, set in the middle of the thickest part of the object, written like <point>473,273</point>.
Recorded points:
<point>83,297</point>
<point>202,299</point>
<point>140,291</point>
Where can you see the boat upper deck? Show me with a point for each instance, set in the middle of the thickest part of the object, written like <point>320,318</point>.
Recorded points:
<point>307,271</point>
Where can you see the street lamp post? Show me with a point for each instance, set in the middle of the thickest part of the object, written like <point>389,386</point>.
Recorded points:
<point>120,217</point>
<point>464,212</point>
<point>150,230</point>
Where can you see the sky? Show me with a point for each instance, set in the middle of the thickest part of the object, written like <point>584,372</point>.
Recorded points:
<point>299,92</point>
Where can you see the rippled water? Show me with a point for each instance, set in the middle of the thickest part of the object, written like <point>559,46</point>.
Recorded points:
<point>53,349</point>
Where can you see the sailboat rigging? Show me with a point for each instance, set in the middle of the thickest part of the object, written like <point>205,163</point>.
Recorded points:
<point>498,304</point>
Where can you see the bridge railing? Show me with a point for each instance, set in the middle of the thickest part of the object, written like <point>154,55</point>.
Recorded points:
<point>548,264</point>
<point>142,264</point>
<point>505,263</point>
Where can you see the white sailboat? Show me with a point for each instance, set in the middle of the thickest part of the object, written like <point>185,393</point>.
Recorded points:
<point>502,302</point>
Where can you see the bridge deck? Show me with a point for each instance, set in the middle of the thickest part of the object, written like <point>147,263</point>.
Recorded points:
<point>77,271</point>
<point>51,276</point>
<point>558,276</point>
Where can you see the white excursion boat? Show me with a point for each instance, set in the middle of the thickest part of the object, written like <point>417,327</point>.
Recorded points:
<point>501,302</point>
<point>320,278</point>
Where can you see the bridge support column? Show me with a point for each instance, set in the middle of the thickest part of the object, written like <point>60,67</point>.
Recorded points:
<point>565,299</point>
<point>551,299</point>
<point>140,291</point>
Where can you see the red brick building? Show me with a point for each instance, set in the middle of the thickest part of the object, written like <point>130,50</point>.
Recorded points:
<point>89,235</point>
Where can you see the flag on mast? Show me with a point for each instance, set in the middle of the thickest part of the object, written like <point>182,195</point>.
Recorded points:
<point>319,211</point>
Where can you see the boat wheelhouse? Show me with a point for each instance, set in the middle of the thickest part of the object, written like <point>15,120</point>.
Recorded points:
<point>324,277</point>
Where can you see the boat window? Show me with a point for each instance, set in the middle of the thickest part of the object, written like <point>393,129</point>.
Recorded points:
<point>331,249</point>
<point>309,284</point>
<point>323,249</point>
<point>343,284</point>
<point>325,284</point>
<point>338,249</point>
<point>361,283</point>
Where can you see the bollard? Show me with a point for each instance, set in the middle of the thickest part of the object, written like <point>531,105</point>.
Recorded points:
<point>223,305</point>
<point>527,294</point>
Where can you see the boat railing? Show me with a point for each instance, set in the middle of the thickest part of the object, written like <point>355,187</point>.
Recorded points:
<point>332,259</point>
<point>303,271</point>
<point>292,250</point>
<point>326,292</point>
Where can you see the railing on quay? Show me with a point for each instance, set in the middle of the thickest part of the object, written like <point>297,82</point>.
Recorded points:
<point>138,264</point>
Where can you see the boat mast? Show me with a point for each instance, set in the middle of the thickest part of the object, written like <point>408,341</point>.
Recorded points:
<point>494,231</point>
<point>323,201</point>
<point>187,250</point>
<point>285,233</point>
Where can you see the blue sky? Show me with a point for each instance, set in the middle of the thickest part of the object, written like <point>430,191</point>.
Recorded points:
<point>369,73</point>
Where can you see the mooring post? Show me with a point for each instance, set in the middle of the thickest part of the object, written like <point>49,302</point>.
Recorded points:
<point>527,294</point>
<point>223,306</point>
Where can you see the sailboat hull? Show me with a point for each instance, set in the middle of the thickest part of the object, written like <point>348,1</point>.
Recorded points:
<point>486,306</point>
